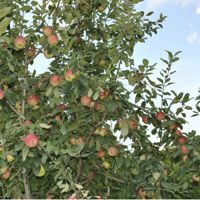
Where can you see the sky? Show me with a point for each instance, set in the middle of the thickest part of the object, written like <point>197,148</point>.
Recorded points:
<point>181,32</point>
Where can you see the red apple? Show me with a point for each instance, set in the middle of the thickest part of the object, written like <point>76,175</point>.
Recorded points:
<point>145,119</point>
<point>173,126</point>
<point>62,106</point>
<point>160,116</point>
<point>112,151</point>
<point>20,42</point>
<point>33,100</point>
<point>55,80</point>
<point>103,94</point>
<point>52,40</point>
<point>47,54</point>
<point>2,94</point>
<point>47,30</point>
<point>178,132</point>
<point>57,118</point>
<point>184,150</point>
<point>31,140</point>
<point>97,106</point>
<point>132,124</point>
<point>182,140</point>
<point>85,100</point>
<point>6,175</point>
<point>27,122</point>
<point>69,75</point>
<point>101,153</point>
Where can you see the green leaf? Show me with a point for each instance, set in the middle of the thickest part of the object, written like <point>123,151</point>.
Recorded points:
<point>45,126</point>
<point>4,11</point>
<point>24,153</point>
<point>49,91</point>
<point>124,129</point>
<point>3,25</point>
<point>57,92</point>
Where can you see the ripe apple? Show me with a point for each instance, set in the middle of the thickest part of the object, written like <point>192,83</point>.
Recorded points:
<point>103,94</point>
<point>145,119</point>
<point>47,54</point>
<point>85,100</point>
<point>31,51</point>
<point>97,106</point>
<point>2,94</point>
<point>178,132</point>
<point>61,106</point>
<point>75,141</point>
<point>101,131</point>
<point>33,100</point>
<point>112,151</point>
<point>58,118</point>
<point>52,40</point>
<point>9,158</point>
<point>106,164</point>
<point>184,150</point>
<point>27,122</point>
<point>101,153</point>
<point>6,175</point>
<point>20,42</point>
<point>55,80</point>
<point>173,126</point>
<point>31,140</point>
<point>69,75</point>
<point>182,140</point>
<point>132,124</point>
<point>47,30</point>
<point>160,116</point>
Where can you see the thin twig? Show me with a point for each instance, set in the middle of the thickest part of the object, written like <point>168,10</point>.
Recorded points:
<point>20,115</point>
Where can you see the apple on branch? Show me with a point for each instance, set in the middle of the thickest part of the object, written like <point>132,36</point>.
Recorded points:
<point>20,42</point>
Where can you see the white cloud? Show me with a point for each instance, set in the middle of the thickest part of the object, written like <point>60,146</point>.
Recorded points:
<point>198,10</point>
<point>193,38</point>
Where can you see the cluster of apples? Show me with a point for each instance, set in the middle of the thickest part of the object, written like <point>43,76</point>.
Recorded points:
<point>181,139</point>
<point>112,151</point>
<point>87,101</point>
<point>5,173</point>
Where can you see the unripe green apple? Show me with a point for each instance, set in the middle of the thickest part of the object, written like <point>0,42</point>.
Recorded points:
<point>106,164</point>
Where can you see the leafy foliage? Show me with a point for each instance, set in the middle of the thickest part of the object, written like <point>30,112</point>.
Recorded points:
<point>76,119</point>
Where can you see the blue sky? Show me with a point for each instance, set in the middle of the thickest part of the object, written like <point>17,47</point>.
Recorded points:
<point>181,32</point>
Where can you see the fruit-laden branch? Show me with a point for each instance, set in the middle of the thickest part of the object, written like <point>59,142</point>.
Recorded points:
<point>139,107</point>
<point>15,111</point>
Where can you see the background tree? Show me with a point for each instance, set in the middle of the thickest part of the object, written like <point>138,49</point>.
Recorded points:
<point>57,128</point>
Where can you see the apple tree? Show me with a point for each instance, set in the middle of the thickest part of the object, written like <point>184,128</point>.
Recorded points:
<point>58,128</point>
